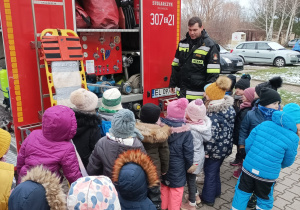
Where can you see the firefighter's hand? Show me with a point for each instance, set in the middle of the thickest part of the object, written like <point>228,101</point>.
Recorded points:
<point>172,90</point>
<point>192,169</point>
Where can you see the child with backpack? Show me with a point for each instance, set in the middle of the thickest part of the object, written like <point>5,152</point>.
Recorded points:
<point>51,146</point>
<point>272,145</point>
<point>200,126</point>
<point>181,155</point>
<point>221,113</point>
<point>155,143</point>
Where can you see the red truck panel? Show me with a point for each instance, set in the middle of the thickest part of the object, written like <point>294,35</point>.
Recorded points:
<point>18,32</point>
<point>161,30</point>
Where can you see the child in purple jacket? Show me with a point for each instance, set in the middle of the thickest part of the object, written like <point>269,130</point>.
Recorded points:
<point>51,146</point>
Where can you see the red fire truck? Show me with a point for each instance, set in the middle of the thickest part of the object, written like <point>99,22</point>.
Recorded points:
<point>107,52</point>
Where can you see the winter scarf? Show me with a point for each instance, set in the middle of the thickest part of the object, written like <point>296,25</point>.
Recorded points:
<point>267,112</point>
<point>172,122</point>
<point>245,105</point>
<point>127,141</point>
<point>200,122</point>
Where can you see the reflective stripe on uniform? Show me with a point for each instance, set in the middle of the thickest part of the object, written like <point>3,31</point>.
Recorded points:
<point>186,49</point>
<point>213,71</point>
<point>213,66</point>
<point>193,97</point>
<point>202,52</point>
<point>204,48</point>
<point>194,93</point>
<point>184,45</point>
<point>197,61</point>
<point>175,62</point>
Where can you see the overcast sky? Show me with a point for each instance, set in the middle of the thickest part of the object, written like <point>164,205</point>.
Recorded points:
<point>244,3</point>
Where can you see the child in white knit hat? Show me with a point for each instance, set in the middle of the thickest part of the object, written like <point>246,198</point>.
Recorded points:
<point>200,126</point>
<point>111,103</point>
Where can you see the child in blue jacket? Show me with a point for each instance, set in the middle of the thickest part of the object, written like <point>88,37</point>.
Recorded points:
<point>268,103</point>
<point>271,146</point>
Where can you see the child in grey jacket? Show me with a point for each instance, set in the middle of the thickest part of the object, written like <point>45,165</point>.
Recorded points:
<point>200,126</point>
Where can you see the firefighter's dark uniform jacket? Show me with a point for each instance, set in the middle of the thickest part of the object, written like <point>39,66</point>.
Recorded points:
<point>191,71</point>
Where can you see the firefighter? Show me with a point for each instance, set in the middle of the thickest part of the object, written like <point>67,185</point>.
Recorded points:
<point>196,62</point>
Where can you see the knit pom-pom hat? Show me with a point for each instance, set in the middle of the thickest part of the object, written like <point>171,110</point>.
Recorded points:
<point>274,83</point>
<point>269,96</point>
<point>217,90</point>
<point>176,108</point>
<point>123,125</point>
<point>244,82</point>
<point>196,110</point>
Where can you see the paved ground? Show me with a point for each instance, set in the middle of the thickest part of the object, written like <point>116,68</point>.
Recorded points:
<point>286,190</point>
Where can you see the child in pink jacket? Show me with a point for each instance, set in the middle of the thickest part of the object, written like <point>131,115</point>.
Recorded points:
<point>51,146</point>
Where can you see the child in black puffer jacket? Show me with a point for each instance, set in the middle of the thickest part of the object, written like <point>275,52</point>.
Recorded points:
<point>88,132</point>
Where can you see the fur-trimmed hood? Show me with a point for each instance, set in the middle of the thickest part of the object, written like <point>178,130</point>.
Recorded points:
<point>139,158</point>
<point>54,191</point>
<point>133,173</point>
<point>153,133</point>
<point>220,105</point>
<point>41,187</point>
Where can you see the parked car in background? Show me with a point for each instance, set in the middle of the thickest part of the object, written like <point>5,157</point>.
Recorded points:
<point>297,46</point>
<point>266,52</point>
<point>293,42</point>
<point>230,63</point>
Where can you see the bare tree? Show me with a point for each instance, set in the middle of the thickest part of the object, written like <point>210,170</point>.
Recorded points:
<point>270,30</point>
<point>272,15</point>
<point>291,21</point>
<point>284,13</point>
<point>220,18</point>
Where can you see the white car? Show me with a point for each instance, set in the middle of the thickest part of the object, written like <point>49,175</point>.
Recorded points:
<point>293,42</point>
<point>266,52</point>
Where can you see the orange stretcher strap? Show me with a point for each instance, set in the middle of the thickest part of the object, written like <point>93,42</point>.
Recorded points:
<point>61,48</point>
